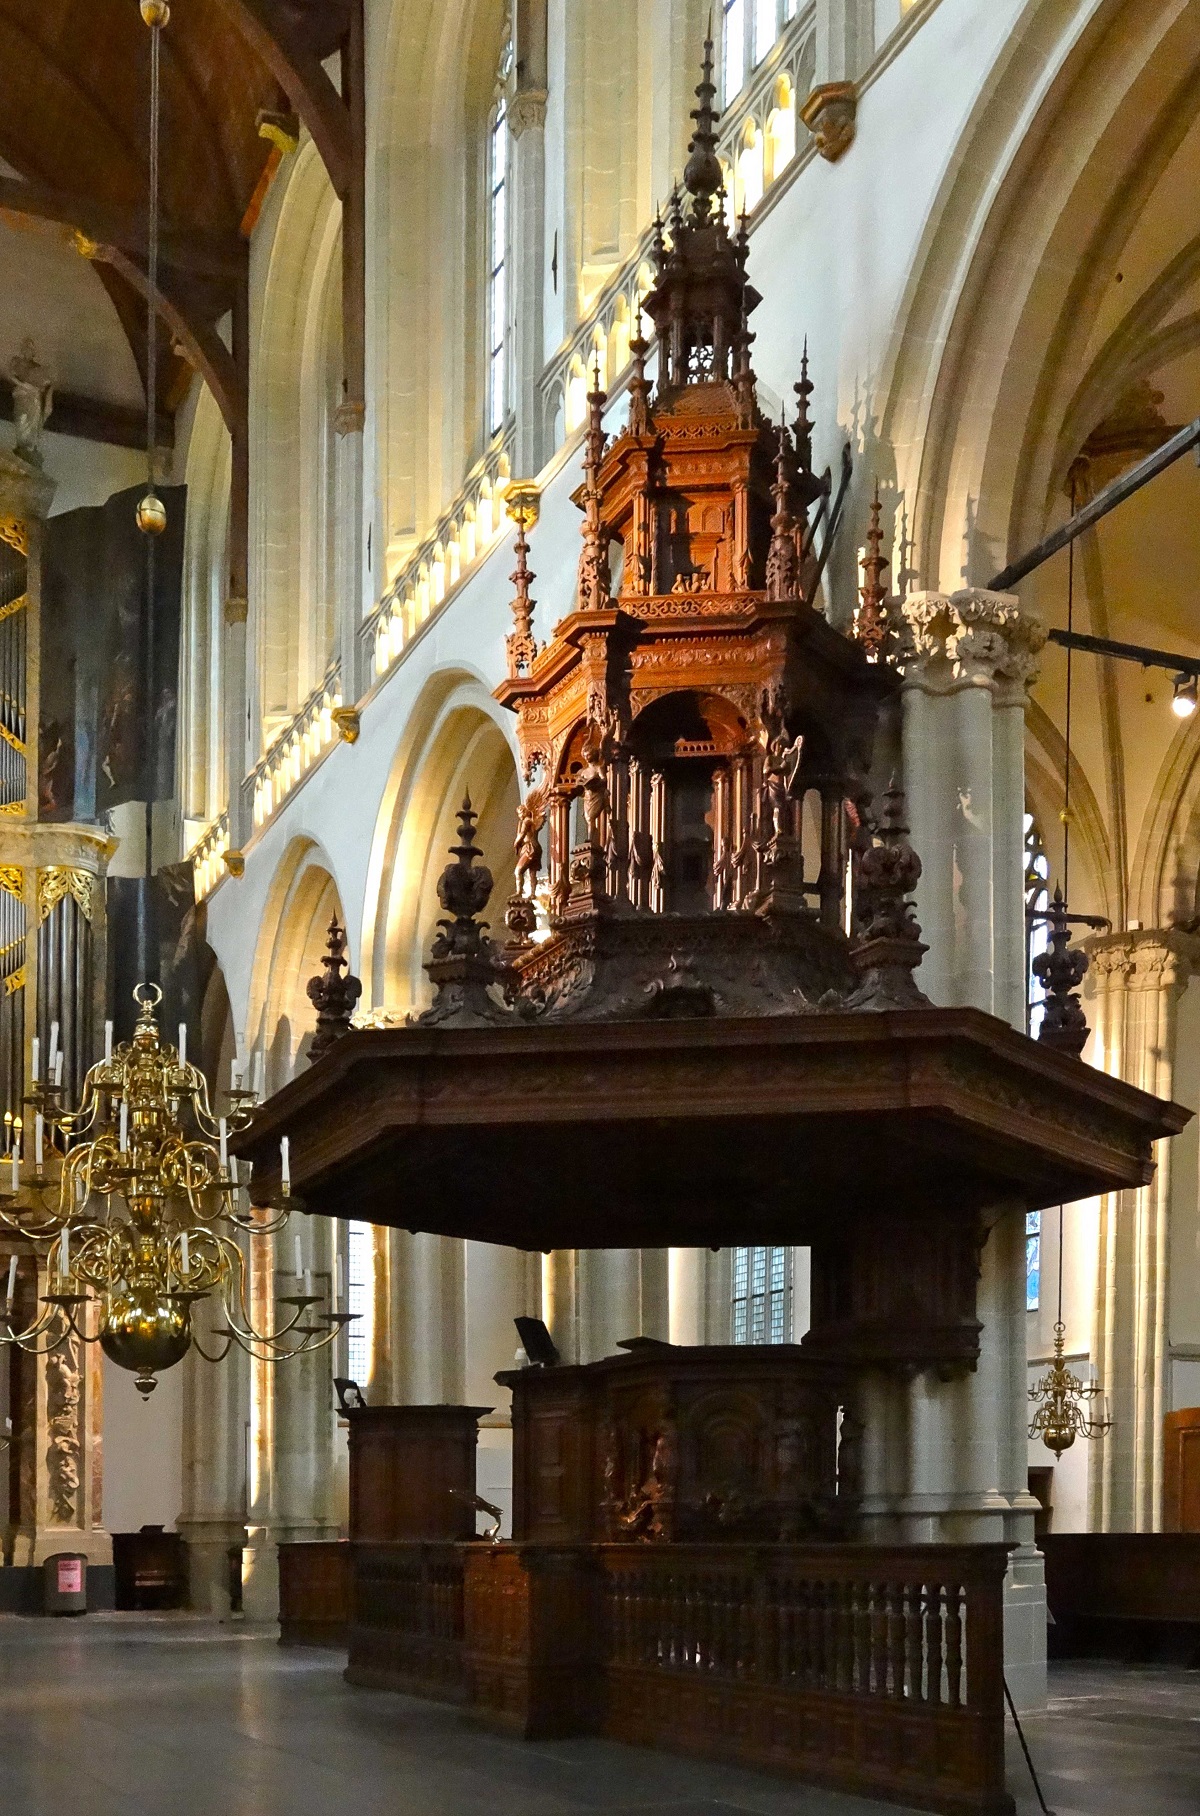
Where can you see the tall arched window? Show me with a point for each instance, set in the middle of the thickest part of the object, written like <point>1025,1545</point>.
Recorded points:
<point>748,30</point>
<point>498,324</point>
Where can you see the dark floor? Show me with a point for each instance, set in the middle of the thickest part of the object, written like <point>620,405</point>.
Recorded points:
<point>135,1715</point>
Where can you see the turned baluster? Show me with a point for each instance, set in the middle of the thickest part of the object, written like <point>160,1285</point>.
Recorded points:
<point>954,1645</point>
<point>913,1598</point>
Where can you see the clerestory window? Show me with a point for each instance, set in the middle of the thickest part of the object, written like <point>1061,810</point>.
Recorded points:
<point>749,28</point>
<point>762,1295</point>
<point>498,305</point>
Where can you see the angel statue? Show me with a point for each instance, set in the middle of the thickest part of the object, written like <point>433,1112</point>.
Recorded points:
<point>599,748</point>
<point>531,817</point>
<point>33,400</point>
<point>781,767</point>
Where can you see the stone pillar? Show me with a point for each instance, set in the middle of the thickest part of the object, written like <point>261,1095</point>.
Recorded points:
<point>845,39</point>
<point>623,1293</point>
<point>216,1409</point>
<point>292,1487</point>
<point>527,124</point>
<point>968,662</point>
<point>426,1316</point>
<point>560,1301</point>
<point>235,707</point>
<point>1134,987</point>
<point>351,553</point>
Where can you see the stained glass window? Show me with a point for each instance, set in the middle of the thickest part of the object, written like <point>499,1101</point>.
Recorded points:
<point>1033,1260</point>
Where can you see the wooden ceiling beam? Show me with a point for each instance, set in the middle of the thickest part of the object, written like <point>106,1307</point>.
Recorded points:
<point>95,419</point>
<point>112,224</point>
<point>197,337</point>
<point>291,37</point>
<point>299,71</point>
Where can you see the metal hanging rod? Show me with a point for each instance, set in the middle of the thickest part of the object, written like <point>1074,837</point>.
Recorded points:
<point>1121,488</point>
<point>1127,652</point>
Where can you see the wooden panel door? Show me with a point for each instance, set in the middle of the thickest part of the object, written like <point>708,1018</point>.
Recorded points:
<point>1181,1470</point>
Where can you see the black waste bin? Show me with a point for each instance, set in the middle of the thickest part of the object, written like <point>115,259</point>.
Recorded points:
<point>64,1583</point>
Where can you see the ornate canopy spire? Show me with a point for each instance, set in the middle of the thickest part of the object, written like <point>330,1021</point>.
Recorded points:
<point>702,177</point>
<point>702,298</point>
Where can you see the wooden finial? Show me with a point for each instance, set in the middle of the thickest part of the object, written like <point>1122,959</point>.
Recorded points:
<point>871,628</point>
<point>521,644</point>
<point>781,557</point>
<point>333,996</point>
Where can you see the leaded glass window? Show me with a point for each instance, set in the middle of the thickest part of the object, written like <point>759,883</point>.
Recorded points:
<point>762,1295</point>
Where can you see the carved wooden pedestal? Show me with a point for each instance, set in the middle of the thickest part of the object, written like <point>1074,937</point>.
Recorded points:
<point>412,1481</point>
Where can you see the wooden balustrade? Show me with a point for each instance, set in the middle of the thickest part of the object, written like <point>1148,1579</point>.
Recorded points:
<point>868,1669</point>
<point>406,1629</point>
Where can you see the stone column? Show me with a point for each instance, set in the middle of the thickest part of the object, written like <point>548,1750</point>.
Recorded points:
<point>968,662</point>
<point>216,1414</point>
<point>1134,987</point>
<point>623,1293</point>
<point>351,553</point>
<point>426,1319</point>
<point>527,124</point>
<point>292,1487</point>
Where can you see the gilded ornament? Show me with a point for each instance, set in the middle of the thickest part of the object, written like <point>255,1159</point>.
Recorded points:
<point>12,880</point>
<point>15,531</point>
<point>60,881</point>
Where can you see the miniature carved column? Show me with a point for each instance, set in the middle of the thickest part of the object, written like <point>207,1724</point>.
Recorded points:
<point>527,124</point>
<point>968,662</point>
<point>1135,984</point>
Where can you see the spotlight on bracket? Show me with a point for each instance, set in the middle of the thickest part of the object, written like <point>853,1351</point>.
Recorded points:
<point>1183,705</point>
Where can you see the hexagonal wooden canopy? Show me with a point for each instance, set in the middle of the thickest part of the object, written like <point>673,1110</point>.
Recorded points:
<point>702,1132</point>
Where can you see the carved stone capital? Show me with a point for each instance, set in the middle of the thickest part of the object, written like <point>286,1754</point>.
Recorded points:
<point>527,108</point>
<point>972,638</point>
<point>350,415</point>
<point>1150,958</point>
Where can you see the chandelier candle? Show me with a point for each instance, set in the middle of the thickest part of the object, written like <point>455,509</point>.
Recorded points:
<point>53,1054</point>
<point>107,1042</point>
<point>285,1163</point>
<point>39,1131</point>
<point>223,1137</point>
<point>35,1058</point>
<point>124,1136</point>
<point>12,1281</point>
<point>183,1043</point>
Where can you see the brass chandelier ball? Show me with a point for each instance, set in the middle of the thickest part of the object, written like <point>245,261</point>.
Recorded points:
<point>151,514</point>
<point>145,1332</point>
<point>155,12</point>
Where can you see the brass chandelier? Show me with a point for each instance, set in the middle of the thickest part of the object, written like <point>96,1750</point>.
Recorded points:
<point>134,1225</point>
<point>1067,1408</point>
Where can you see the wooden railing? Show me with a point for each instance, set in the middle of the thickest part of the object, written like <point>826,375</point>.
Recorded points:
<point>877,1670</point>
<point>406,1626</point>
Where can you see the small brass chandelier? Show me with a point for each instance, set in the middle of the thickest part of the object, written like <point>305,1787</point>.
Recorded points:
<point>1067,1408</point>
<point>147,1217</point>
